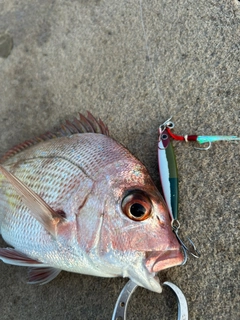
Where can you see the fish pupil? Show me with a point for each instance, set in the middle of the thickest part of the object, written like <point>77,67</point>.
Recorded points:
<point>137,210</point>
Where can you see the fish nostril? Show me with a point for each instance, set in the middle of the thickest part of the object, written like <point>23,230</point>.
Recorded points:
<point>61,213</point>
<point>161,221</point>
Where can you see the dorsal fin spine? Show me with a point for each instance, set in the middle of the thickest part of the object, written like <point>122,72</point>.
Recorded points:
<point>81,125</point>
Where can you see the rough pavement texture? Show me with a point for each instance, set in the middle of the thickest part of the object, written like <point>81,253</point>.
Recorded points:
<point>71,56</point>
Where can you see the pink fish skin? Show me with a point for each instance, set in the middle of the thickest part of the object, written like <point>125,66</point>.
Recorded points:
<point>81,202</point>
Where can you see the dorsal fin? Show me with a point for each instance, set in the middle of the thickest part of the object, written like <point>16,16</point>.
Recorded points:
<point>81,125</point>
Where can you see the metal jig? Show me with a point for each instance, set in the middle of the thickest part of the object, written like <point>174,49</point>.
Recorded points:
<point>169,181</point>
<point>120,310</point>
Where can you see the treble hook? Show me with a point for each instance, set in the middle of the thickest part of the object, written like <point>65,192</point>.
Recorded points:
<point>192,250</point>
<point>120,310</point>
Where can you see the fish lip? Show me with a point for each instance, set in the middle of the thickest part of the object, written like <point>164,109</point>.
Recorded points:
<point>160,260</point>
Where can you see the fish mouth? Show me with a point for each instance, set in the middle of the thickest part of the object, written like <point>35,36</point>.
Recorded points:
<point>160,260</point>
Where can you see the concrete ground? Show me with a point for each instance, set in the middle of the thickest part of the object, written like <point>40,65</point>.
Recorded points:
<point>61,57</point>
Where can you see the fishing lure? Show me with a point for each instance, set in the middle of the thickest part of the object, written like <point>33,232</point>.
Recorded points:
<point>169,175</point>
<point>169,181</point>
<point>169,125</point>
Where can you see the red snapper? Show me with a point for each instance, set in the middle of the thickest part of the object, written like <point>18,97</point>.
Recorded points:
<point>81,202</point>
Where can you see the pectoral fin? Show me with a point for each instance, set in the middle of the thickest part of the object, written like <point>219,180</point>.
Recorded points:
<point>39,273</point>
<point>39,209</point>
<point>42,275</point>
<point>14,257</point>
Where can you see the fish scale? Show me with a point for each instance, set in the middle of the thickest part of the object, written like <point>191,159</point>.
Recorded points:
<point>96,151</point>
<point>52,178</point>
<point>83,203</point>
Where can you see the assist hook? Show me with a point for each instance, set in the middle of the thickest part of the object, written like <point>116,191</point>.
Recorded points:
<point>192,250</point>
<point>120,310</point>
<point>168,125</point>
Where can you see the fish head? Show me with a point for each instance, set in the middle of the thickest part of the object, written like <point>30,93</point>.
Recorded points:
<point>137,226</point>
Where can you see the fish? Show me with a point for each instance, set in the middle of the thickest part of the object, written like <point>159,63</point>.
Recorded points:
<point>79,201</point>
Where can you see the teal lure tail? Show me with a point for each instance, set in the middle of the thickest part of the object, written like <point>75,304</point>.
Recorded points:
<point>207,139</point>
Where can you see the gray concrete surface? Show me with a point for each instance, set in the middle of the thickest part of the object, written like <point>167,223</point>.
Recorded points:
<point>71,56</point>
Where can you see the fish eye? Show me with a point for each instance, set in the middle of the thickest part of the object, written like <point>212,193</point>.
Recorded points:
<point>136,205</point>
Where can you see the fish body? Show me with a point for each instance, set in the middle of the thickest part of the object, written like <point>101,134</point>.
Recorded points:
<point>83,203</point>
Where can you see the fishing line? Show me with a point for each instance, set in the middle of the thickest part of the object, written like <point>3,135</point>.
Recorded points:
<point>148,54</point>
<point>151,66</point>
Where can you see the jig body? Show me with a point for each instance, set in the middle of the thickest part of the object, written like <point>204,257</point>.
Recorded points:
<point>169,181</point>
<point>168,172</point>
